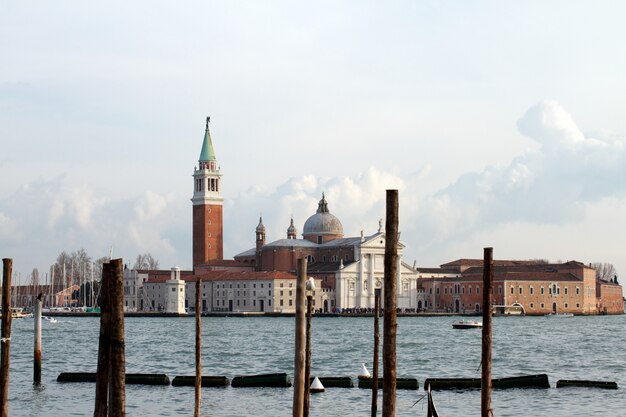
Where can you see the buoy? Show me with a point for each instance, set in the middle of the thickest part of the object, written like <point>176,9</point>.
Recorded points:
<point>317,386</point>
<point>364,372</point>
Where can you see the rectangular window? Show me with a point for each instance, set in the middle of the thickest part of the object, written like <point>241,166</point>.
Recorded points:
<point>281,302</point>
<point>520,290</point>
<point>469,290</point>
<point>532,290</point>
<point>290,302</point>
<point>477,290</point>
<point>512,290</point>
<point>565,289</point>
<point>541,290</point>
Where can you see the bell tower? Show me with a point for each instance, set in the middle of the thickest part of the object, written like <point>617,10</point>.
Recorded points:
<point>207,205</point>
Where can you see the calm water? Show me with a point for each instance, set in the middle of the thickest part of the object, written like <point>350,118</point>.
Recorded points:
<point>564,348</point>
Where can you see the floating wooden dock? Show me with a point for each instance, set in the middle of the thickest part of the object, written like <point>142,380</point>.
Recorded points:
<point>207,381</point>
<point>564,383</point>
<point>278,380</point>
<point>136,379</point>
<point>401,383</point>
<point>524,381</point>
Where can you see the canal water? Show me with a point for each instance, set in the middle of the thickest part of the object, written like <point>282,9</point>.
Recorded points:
<point>563,348</point>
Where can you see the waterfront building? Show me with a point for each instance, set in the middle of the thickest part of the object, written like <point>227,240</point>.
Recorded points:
<point>539,287</point>
<point>226,291</point>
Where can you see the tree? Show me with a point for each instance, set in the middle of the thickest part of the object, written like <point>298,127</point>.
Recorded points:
<point>145,261</point>
<point>604,271</point>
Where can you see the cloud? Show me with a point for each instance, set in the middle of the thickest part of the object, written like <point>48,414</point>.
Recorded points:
<point>551,188</point>
<point>46,217</point>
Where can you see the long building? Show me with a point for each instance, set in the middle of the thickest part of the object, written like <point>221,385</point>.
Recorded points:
<point>539,287</point>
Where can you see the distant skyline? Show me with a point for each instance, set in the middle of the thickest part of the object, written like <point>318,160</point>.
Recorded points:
<point>501,124</point>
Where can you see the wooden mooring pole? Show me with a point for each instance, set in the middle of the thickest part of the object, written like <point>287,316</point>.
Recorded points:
<point>300,355</point>
<point>485,389</point>
<point>376,348</point>
<point>391,304</point>
<point>196,412</point>
<point>7,271</point>
<point>104,345</point>
<point>117,406</point>
<point>307,365</point>
<point>37,353</point>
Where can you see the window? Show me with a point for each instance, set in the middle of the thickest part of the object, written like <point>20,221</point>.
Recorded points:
<point>512,290</point>
<point>281,293</point>
<point>445,290</point>
<point>269,293</point>
<point>520,290</point>
<point>577,291</point>
<point>577,305</point>
<point>261,285</point>
<point>532,305</point>
<point>469,290</point>
<point>565,305</point>
<point>532,290</point>
<point>437,291</point>
<point>269,285</point>
<point>541,290</point>
<point>541,305</point>
<point>565,289</point>
<point>237,303</point>
<point>290,302</point>
<point>281,302</point>
<point>430,290</point>
<point>499,289</point>
<point>173,289</point>
<point>477,289</point>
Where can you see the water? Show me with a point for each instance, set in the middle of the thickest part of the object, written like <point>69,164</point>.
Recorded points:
<point>564,348</point>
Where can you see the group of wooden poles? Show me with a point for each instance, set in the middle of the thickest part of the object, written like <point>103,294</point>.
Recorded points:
<point>110,398</point>
<point>302,360</point>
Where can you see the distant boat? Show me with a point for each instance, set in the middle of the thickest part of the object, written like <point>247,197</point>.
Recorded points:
<point>49,319</point>
<point>560,315</point>
<point>467,324</point>
<point>515,309</point>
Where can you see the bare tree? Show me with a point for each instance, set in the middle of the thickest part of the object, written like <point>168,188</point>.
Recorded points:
<point>145,261</point>
<point>604,271</point>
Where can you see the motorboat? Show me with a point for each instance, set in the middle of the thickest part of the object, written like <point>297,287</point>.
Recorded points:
<point>467,324</point>
<point>49,319</point>
<point>560,315</point>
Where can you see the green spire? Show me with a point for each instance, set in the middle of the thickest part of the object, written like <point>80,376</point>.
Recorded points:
<point>207,153</point>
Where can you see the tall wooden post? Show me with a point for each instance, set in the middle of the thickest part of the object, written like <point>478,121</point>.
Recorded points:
<point>391,304</point>
<point>117,407</point>
<point>37,353</point>
<point>104,345</point>
<point>299,357</point>
<point>198,349</point>
<point>7,271</point>
<point>485,392</point>
<point>376,349</point>
<point>307,366</point>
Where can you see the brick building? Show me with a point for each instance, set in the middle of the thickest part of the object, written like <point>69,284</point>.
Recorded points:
<point>539,287</point>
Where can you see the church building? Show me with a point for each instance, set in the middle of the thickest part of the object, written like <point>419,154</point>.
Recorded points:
<point>350,268</point>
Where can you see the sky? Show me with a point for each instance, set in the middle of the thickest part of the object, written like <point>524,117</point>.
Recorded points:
<point>501,124</point>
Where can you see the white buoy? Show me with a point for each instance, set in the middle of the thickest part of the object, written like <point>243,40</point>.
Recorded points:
<point>364,372</point>
<point>316,386</point>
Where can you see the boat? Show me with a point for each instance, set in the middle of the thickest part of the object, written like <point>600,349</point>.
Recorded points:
<point>515,309</point>
<point>467,324</point>
<point>19,313</point>
<point>49,319</point>
<point>560,315</point>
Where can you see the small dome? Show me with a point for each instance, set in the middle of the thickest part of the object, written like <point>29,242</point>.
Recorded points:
<point>322,222</point>
<point>260,228</point>
<point>291,230</point>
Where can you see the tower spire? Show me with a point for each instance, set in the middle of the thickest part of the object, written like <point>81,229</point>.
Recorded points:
<point>207,153</point>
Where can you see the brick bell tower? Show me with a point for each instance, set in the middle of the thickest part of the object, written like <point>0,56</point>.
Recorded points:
<point>207,205</point>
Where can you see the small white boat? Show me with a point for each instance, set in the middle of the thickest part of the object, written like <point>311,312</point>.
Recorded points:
<point>467,324</point>
<point>560,315</point>
<point>49,319</point>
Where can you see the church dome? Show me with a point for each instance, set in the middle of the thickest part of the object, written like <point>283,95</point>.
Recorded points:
<point>322,223</point>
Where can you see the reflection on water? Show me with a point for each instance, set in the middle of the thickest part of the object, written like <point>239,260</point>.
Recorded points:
<point>573,348</point>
